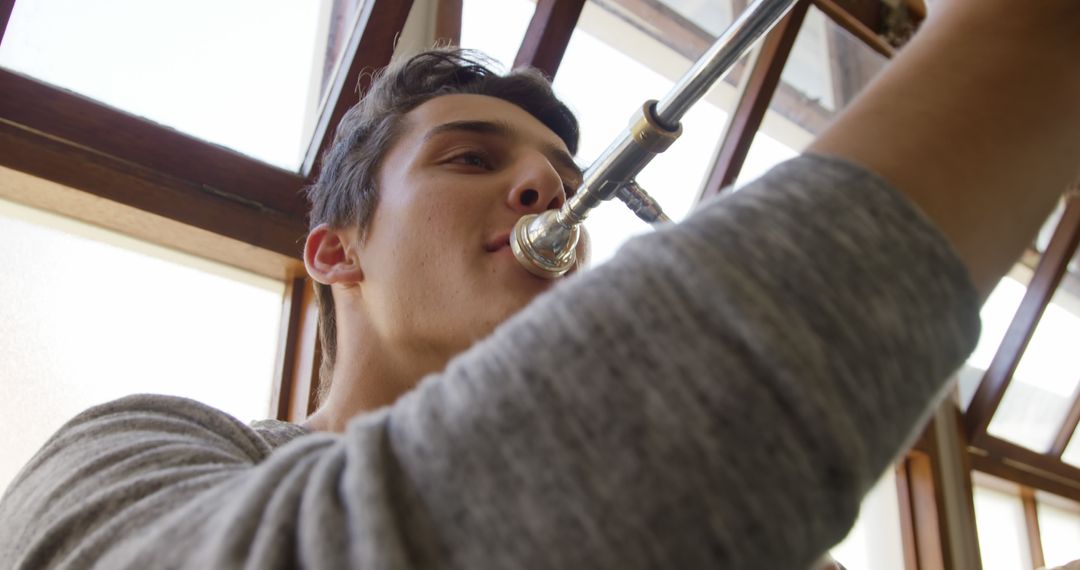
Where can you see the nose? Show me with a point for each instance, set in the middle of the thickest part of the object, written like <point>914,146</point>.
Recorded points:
<point>537,186</point>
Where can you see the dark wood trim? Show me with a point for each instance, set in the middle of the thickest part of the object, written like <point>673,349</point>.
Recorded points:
<point>548,34</point>
<point>296,371</point>
<point>857,27</point>
<point>82,122</point>
<point>1068,428</point>
<point>921,519</point>
<point>49,196</point>
<point>448,22</point>
<point>907,516</point>
<point>285,358</point>
<point>1040,291</point>
<point>946,532</point>
<point>1031,522</point>
<point>754,98</point>
<point>183,200</point>
<point>1009,461</point>
<point>6,8</point>
<point>370,48</point>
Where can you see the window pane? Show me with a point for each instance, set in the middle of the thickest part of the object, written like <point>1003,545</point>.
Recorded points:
<point>1059,528</point>
<point>246,74</point>
<point>499,42</point>
<point>1045,382</point>
<point>827,68</point>
<point>714,16</point>
<point>875,542</point>
<point>999,518</point>
<point>94,316</point>
<point>997,314</point>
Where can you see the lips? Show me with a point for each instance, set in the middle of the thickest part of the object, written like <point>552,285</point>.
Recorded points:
<point>500,241</point>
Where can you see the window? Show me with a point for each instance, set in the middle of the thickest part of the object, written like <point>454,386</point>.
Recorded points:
<point>826,69</point>
<point>999,516</point>
<point>1059,528</point>
<point>246,74</point>
<point>1046,379</point>
<point>996,314</point>
<point>87,316</point>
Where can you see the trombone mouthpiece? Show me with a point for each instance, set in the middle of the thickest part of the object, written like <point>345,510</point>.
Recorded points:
<point>544,245</point>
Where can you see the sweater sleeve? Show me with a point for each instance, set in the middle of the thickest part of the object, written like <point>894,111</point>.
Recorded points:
<point>719,395</point>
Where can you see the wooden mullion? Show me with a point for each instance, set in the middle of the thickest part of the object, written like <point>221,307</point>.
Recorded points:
<point>448,21</point>
<point>286,352</point>
<point>924,542</point>
<point>907,516</point>
<point>1068,428</point>
<point>1031,522</point>
<point>6,7</point>
<point>296,372</point>
<point>370,48</point>
<point>857,27</point>
<point>548,34</point>
<point>1007,460</point>
<point>754,99</point>
<point>1040,291</point>
<point>145,189</point>
<point>81,122</point>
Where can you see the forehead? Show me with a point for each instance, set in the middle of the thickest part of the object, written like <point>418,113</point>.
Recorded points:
<point>460,107</point>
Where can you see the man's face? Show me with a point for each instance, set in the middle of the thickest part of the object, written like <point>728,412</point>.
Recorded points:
<point>438,270</point>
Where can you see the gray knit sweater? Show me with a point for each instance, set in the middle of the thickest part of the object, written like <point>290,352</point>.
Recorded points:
<point>720,395</point>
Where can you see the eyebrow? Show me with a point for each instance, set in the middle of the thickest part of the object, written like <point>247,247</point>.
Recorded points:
<point>500,128</point>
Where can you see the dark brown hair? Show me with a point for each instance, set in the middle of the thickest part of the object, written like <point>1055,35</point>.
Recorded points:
<point>345,192</point>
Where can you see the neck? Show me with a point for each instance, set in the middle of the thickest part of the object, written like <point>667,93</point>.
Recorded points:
<point>370,373</point>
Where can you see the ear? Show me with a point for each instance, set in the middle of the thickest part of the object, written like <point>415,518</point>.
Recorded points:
<point>328,257</point>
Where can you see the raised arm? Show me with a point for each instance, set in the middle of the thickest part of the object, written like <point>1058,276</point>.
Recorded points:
<point>977,121</point>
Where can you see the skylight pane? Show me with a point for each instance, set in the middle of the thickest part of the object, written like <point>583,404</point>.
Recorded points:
<point>997,314</point>
<point>245,74</point>
<point>1045,382</point>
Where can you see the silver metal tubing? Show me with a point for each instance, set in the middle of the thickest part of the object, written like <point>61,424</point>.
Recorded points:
<point>641,203</point>
<point>545,244</point>
<point>750,25</point>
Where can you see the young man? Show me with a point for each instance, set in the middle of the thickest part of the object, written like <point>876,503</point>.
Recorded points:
<point>720,395</point>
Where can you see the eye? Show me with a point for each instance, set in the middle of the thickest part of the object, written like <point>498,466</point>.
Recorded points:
<point>472,158</point>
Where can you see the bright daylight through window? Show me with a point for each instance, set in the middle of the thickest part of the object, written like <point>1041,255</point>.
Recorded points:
<point>199,66</point>
<point>96,316</point>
